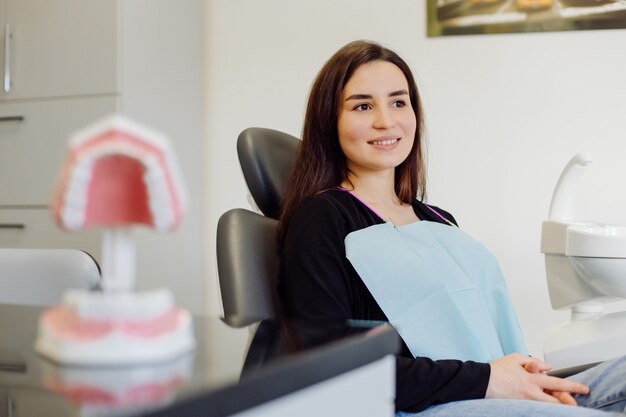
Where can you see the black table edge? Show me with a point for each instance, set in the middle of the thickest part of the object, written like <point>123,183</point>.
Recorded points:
<point>289,375</point>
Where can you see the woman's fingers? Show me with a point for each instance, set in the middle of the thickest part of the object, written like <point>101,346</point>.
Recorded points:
<point>545,397</point>
<point>535,366</point>
<point>518,376</point>
<point>563,397</point>
<point>558,384</point>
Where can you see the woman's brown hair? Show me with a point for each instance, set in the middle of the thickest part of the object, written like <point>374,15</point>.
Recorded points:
<point>320,164</point>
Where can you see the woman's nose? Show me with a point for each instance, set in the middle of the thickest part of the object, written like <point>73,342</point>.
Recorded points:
<point>383,118</point>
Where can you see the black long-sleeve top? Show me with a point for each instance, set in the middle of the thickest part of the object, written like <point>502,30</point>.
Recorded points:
<point>316,281</point>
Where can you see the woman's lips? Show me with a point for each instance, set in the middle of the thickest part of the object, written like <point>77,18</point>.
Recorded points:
<point>384,143</point>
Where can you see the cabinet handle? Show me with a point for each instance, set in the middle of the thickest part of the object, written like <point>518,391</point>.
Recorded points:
<point>11,119</point>
<point>7,58</point>
<point>15,226</point>
<point>11,361</point>
<point>10,406</point>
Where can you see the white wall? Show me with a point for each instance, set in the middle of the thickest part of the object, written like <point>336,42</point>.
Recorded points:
<point>504,114</point>
<point>162,87</point>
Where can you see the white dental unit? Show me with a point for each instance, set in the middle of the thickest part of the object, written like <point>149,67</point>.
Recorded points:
<point>585,268</point>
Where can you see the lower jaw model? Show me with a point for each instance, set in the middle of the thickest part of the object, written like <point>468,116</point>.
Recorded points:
<point>115,329</point>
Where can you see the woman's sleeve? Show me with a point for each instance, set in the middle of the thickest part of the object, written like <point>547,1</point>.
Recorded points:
<point>315,278</point>
<point>316,286</point>
<point>421,382</point>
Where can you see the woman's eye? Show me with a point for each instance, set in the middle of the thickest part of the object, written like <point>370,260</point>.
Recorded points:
<point>399,104</point>
<point>362,107</point>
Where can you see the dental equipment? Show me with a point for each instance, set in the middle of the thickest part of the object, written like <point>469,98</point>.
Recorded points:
<point>585,268</point>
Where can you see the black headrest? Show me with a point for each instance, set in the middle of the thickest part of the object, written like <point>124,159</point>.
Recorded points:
<point>266,157</point>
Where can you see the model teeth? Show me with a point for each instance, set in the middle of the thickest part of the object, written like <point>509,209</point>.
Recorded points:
<point>118,136</point>
<point>384,142</point>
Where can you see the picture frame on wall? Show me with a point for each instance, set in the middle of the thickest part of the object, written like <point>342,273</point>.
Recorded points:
<point>467,17</point>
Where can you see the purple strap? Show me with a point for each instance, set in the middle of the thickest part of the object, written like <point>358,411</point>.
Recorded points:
<point>439,215</point>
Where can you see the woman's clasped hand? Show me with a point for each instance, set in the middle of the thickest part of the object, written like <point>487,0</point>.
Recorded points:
<point>523,377</point>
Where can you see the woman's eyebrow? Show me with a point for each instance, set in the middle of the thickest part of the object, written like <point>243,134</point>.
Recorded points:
<point>399,93</point>
<point>368,96</point>
<point>359,97</point>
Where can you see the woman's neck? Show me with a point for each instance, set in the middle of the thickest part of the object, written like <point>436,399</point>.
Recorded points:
<point>378,193</point>
<point>374,189</point>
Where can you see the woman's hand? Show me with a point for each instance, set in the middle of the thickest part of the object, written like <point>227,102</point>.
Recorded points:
<point>522,377</point>
<point>535,367</point>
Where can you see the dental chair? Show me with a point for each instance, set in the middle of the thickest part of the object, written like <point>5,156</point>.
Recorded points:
<point>40,276</point>
<point>247,249</point>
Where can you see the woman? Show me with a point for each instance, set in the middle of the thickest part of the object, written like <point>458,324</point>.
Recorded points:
<point>357,244</point>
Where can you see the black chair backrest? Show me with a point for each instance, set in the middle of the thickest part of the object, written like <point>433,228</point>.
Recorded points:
<point>266,157</point>
<point>247,263</point>
<point>247,250</point>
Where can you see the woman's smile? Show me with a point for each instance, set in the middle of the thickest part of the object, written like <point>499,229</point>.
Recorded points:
<point>384,144</point>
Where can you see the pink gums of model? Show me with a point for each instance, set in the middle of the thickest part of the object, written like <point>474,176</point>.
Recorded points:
<point>117,174</point>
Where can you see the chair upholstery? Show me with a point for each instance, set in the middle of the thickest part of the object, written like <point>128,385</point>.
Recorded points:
<point>266,157</point>
<point>247,250</point>
<point>247,261</point>
<point>40,276</point>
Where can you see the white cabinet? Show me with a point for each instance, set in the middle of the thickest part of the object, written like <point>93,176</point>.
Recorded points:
<point>59,48</point>
<point>28,402</point>
<point>59,72</point>
<point>71,62</point>
<point>32,150</point>
<point>34,228</point>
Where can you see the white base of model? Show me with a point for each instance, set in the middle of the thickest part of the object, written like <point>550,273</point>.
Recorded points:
<point>115,329</point>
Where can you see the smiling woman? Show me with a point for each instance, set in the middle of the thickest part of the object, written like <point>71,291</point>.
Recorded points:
<point>358,243</point>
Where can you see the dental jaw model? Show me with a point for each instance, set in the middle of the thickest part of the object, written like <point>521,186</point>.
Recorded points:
<point>117,174</point>
<point>585,268</point>
<point>108,391</point>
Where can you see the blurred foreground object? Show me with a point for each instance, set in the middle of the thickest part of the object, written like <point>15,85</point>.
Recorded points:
<point>117,174</point>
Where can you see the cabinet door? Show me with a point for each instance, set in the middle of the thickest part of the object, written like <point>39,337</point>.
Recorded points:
<point>60,47</point>
<point>35,228</point>
<point>32,150</point>
<point>28,402</point>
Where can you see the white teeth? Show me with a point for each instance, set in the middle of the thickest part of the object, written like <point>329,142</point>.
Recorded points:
<point>384,142</point>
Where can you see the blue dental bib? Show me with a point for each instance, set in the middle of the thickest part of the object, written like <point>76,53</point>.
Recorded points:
<point>442,290</point>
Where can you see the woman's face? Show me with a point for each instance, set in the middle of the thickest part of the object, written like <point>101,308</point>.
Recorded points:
<point>376,124</point>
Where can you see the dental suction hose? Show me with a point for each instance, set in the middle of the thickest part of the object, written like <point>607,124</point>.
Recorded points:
<point>563,205</point>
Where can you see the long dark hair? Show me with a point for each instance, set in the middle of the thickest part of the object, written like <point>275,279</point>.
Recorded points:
<point>320,164</point>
